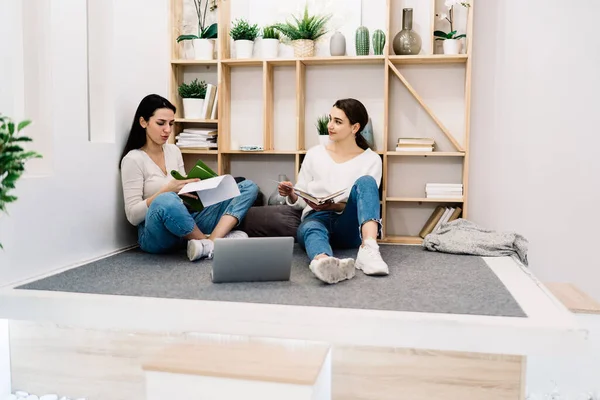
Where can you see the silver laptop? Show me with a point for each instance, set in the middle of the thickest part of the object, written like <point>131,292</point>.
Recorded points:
<point>255,259</point>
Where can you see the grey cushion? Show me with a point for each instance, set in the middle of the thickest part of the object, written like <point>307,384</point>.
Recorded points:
<point>271,221</point>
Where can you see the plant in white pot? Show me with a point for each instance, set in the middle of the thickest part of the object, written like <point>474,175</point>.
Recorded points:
<point>204,41</point>
<point>322,129</point>
<point>12,158</point>
<point>270,42</point>
<point>193,95</point>
<point>303,32</point>
<point>243,35</point>
<point>451,40</point>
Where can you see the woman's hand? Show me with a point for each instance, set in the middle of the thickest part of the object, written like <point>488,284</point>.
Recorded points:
<point>285,189</point>
<point>176,185</point>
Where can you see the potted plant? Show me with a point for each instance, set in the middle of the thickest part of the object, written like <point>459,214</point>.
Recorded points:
<point>270,42</point>
<point>12,158</point>
<point>243,35</point>
<point>322,129</point>
<point>204,41</point>
<point>303,32</point>
<point>451,42</point>
<point>193,95</point>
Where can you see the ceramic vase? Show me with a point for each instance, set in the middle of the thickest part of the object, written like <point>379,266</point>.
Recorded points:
<point>243,48</point>
<point>407,41</point>
<point>270,48</point>
<point>452,46</point>
<point>337,44</point>
<point>192,108</point>
<point>204,49</point>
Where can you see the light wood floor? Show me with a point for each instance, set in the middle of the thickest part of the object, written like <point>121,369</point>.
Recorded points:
<point>106,365</point>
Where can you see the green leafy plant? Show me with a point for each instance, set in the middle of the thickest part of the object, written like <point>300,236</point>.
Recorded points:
<point>321,125</point>
<point>441,35</point>
<point>204,32</point>
<point>12,158</point>
<point>306,27</point>
<point>270,33</point>
<point>193,90</point>
<point>242,30</point>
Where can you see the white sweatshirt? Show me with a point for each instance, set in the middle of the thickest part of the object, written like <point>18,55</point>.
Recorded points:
<point>320,175</point>
<point>141,178</point>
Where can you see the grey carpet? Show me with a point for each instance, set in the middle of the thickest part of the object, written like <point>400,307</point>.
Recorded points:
<point>419,281</point>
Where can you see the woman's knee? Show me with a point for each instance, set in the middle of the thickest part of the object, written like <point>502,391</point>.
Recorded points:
<point>248,187</point>
<point>366,181</point>
<point>166,201</point>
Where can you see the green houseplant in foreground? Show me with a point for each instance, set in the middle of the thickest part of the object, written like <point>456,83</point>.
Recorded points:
<point>243,35</point>
<point>193,95</point>
<point>12,158</point>
<point>304,31</point>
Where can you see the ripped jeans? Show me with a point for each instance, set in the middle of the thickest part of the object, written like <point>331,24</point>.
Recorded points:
<point>320,230</point>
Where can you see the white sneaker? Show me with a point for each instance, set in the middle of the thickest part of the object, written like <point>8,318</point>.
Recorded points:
<point>369,259</point>
<point>200,248</point>
<point>332,270</point>
<point>236,235</point>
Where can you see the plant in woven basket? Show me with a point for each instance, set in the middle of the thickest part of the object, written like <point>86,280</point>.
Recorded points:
<point>192,90</point>
<point>321,125</point>
<point>12,158</point>
<point>204,32</point>
<point>304,31</point>
<point>242,30</point>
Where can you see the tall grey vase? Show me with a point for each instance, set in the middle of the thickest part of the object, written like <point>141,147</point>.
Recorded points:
<point>407,41</point>
<point>337,44</point>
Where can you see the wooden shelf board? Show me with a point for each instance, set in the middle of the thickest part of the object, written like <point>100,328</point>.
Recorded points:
<point>192,150</point>
<point>430,59</point>
<point>282,152</point>
<point>427,153</point>
<point>402,239</point>
<point>422,199</point>
<point>194,62</point>
<point>332,60</point>
<point>197,121</point>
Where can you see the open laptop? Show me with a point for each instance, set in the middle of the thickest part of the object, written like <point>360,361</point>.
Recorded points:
<point>255,259</point>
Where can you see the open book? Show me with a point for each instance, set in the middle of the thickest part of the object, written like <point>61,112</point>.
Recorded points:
<point>318,200</point>
<point>211,188</point>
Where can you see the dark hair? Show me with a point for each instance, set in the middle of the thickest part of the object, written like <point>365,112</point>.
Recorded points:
<point>146,109</point>
<point>356,113</point>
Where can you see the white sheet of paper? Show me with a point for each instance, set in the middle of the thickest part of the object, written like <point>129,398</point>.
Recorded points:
<point>214,190</point>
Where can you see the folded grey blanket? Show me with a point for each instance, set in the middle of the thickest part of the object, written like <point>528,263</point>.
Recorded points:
<point>465,237</point>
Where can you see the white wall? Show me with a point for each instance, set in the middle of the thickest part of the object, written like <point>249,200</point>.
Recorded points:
<point>535,136</point>
<point>74,212</point>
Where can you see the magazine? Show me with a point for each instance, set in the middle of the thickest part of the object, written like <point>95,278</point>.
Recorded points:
<point>318,200</point>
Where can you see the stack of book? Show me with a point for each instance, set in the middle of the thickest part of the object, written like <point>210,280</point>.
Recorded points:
<point>197,138</point>
<point>440,215</point>
<point>415,144</point>
<point>444,190</point>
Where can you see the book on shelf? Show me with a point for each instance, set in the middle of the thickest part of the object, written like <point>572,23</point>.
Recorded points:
<point>444,190</point>
<point>210,101</point>
<point>211,189</point>
<point>197,138</point>
<point>441,215</point>
<point>318,200</point>
<point>415,144</point>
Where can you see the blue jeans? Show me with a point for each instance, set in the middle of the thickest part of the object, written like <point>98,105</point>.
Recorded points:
<point>321,229</point>
<point>168,220</point>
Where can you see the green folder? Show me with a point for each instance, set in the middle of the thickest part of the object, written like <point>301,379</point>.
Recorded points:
<point>200,171</point>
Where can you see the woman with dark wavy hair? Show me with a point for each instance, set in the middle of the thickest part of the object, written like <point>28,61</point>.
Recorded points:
<point>354,219</point>
<point>151,201</point>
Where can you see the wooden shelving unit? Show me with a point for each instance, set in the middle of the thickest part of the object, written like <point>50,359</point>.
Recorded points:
<point>391,68</point>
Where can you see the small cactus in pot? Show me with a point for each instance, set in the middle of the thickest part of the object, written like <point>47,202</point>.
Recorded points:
<point>378,42</point>
<point>362,41</point>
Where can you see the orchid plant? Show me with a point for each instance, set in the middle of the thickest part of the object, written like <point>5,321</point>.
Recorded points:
<point>441,35</point>
<point>204,32</point>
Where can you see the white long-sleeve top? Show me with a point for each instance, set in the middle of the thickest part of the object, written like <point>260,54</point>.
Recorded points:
<point>141,178</point>
<point>320,175</point>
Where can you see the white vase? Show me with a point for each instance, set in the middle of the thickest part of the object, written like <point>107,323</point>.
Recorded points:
<point>270,48</point>
<point>204,49</point>
<point>323,139</point>
<point>192,108</point>
<point>243,48</point>
<point>451,46</point>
